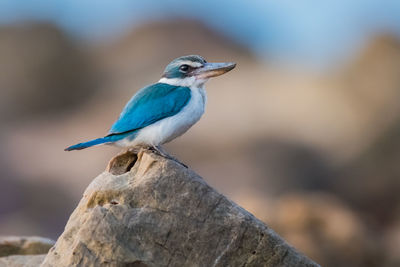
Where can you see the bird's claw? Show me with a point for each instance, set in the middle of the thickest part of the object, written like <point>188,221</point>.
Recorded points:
<point>158,150</point>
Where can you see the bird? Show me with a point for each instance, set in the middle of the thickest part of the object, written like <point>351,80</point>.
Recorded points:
<point>165,110</point>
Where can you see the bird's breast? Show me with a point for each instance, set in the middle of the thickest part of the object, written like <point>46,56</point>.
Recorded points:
<point>188,116</point>
<point>169,128</point>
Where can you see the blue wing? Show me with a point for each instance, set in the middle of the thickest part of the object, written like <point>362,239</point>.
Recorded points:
<point>149,105</point>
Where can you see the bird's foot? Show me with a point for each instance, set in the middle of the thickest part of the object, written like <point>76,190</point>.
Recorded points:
<point>161,152</point>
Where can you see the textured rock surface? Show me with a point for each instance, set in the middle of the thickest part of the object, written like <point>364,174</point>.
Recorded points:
<point>24,245</point>
<point>22,260</point>
<point>158,213</point>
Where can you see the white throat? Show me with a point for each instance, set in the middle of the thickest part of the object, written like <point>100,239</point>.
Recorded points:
<point>186,82</point>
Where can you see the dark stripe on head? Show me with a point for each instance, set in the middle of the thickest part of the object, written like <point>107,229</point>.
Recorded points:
<point>182,66</point>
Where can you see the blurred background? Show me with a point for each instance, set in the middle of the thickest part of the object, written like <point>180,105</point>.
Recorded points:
<point>304,133</point>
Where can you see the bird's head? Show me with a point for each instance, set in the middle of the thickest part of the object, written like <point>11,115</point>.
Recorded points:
<point>193,70</point>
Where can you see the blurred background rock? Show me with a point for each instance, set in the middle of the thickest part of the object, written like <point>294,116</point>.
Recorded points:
<point>305,133</point>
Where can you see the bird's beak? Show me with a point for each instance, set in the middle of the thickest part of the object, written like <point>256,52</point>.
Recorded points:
<point>209,70</point>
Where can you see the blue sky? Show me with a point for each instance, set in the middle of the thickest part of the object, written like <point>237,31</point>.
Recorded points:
<point>313,30</point>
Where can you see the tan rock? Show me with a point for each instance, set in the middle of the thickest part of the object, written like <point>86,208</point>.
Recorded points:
<point>22,260</point>
<point>24,245</point>
<point>159,213</point>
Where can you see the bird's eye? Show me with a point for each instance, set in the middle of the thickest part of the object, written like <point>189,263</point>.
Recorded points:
<point>184,68</point>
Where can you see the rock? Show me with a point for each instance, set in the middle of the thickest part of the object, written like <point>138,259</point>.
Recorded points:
<point>22,260</point>
<point>24,245</point>
<point>159,213</point>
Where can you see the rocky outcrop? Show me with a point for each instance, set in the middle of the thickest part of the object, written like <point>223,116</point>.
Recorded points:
<point>145,210</point>
<point>24,245</point>
<point>23,251</point>
<point>22,260</point>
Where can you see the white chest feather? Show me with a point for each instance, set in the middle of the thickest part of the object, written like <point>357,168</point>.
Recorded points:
<point>169,128</point>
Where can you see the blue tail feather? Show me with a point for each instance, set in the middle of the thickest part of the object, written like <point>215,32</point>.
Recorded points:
<point>102,140</point>
<point>90,143</point>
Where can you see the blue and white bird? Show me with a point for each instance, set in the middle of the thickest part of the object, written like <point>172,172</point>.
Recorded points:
<point>160,112</point>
